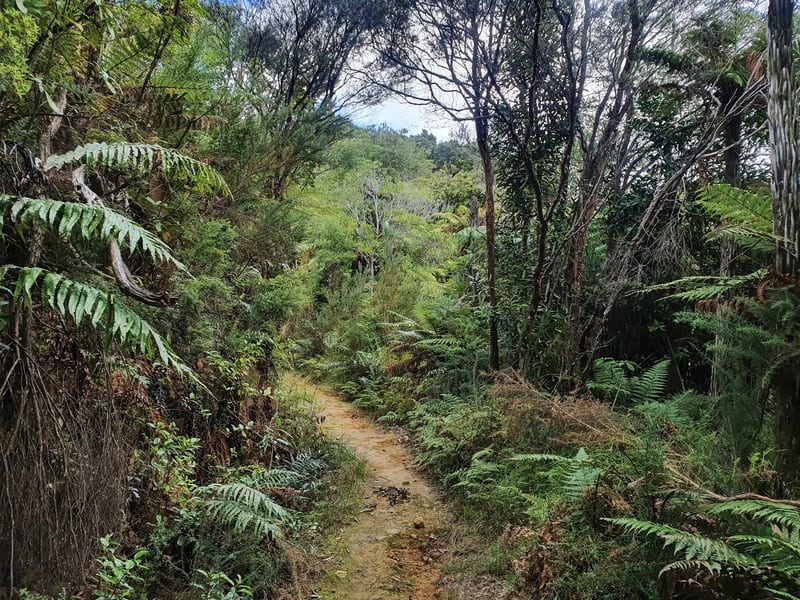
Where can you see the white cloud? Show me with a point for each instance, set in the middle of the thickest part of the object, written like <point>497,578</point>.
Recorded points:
<point>398,114</point>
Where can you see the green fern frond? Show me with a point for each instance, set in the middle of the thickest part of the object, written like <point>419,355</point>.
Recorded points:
<point>782,594</point>
<point>87,221</point>
<point>611,378</point>
<point>772,513</point>
<point>439,342</point>
<point>772,558</point>
<point>774,550</point>
<point>706,287</point>
<point>581,474</point>
<point>711,566</point>
<point>650,385</point>
<point>741,207</point>
<point>143,157</point>
<point>302,473</point>
<point>540,458</point>
<point>245,509</point>
<point>82,302</point>
<point>752,239</point>
<point>573,474</point>
<point>696,550</point>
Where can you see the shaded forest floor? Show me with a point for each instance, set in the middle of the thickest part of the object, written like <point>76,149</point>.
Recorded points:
<point>405,534</point>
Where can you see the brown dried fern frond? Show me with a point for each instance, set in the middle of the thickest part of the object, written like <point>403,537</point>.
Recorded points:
<point>571,420</point>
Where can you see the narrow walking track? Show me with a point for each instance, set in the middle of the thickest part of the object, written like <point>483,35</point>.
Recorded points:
<point>396,546</point>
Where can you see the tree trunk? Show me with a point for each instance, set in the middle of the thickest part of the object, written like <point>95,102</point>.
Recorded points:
<point>783,139</point>
<point>727,252</point>
<point>482,135</point>
<point>596,159</point>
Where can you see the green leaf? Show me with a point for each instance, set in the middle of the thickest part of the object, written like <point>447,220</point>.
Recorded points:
<point>50,102</point>
<point>142,157</point>
<point>88,221</point>
<point>78,301</point>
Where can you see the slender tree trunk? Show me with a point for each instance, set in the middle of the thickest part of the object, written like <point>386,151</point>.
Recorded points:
<point>732,160</point>
<point>473,273</point>
<point>727,251</point>
<point>482,135</point>
<point>783,140</point>
<point>597,158</point>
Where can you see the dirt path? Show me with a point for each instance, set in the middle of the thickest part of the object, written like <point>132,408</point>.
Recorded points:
<point>396,546</point>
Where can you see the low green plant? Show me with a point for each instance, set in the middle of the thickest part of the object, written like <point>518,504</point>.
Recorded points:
<point>754,541</point>
<point>243,509</point>
<point>25,594</point>
<point>171,460</point>
<point>574,475</point>
<point>613,380</point>
<point>120,577</point>
<point>218,586</point>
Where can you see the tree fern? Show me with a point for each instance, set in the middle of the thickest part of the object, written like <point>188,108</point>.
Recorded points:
<point>92,220</point>
<point>143,157</point>
<point>244,509</point>
<point>707,287</point>
<point>750,210</point>
<point>87,221</point>
<point>84,303</point>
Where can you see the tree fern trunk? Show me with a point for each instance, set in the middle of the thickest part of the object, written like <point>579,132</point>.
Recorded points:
<point>783,135</point>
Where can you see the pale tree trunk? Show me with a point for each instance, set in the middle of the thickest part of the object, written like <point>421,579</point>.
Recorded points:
<point>783,141</point>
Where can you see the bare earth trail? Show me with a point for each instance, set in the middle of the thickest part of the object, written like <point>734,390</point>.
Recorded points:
<point>396,546</point>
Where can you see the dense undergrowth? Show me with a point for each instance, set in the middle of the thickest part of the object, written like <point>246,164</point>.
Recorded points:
<point>635,486</point>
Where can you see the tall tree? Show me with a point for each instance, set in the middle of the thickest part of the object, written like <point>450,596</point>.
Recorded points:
<point>447,57</point>
<point>536,101</point>
<point>600,149</point>
<point>288,63</point>
<point>784,136</point>
<point>661,157</point>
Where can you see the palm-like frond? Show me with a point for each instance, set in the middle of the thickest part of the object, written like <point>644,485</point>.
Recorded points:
<point>102,310</point>
<point>730,204</point>
<point>706,287</point>
<point>143,157</point>
<point>244,508</point>
<point>750,238</point>
<point>87,221</point>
